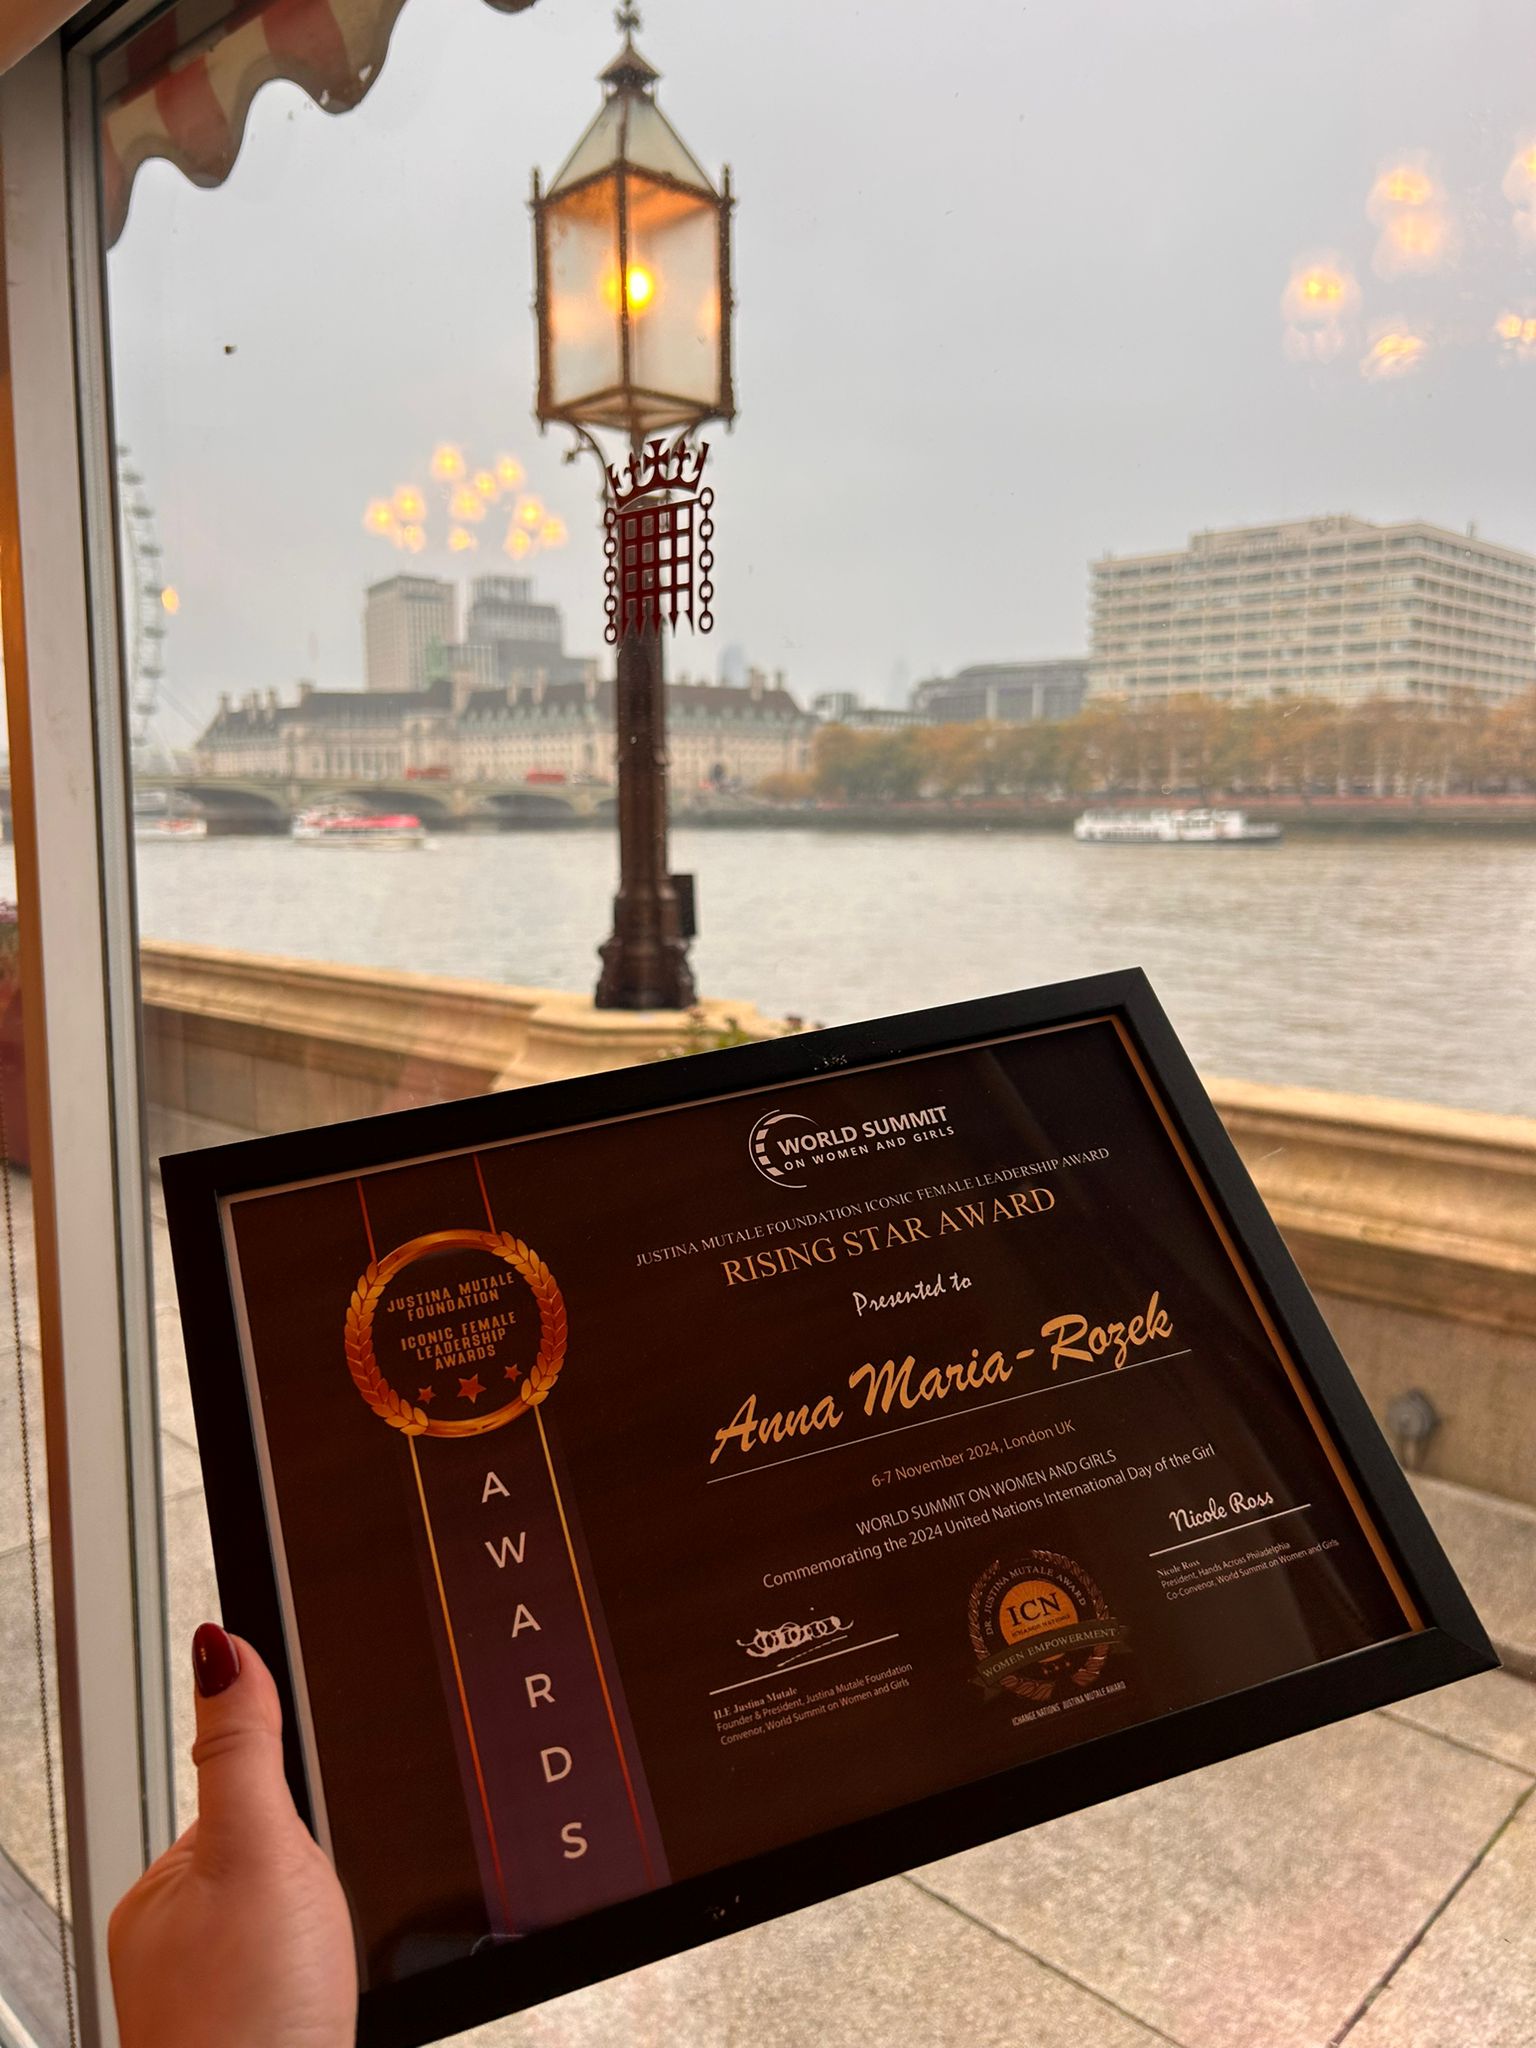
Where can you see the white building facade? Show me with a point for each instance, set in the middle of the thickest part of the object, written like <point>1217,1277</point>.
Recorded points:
<point>717,735</point>
<point>1331,607</point>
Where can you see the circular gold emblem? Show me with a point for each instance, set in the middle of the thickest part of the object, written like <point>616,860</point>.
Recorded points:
<point>532,1386</point>
<point>1038,1623</point>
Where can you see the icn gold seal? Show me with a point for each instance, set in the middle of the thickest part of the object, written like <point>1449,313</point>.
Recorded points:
<point>464,1309</point>
<point>1039,1626</point>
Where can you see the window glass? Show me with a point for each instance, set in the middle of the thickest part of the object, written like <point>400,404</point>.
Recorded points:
<point>1123,554</point>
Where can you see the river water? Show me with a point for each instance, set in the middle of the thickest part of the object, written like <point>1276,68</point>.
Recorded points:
<point>1402,966</point>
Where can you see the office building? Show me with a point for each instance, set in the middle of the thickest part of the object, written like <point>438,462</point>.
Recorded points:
<point>406,622</point>
<point>846,707</point>
<point>1330,607</point>
<point>511,639</point>
<point>1005,693</point>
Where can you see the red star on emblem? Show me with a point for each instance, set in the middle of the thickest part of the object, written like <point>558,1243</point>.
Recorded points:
<point>471,1389</point>
<point>512,1372</point>
<point>424,1394</point>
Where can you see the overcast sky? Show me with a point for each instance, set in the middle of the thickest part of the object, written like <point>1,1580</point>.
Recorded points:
<point>1010,287</point>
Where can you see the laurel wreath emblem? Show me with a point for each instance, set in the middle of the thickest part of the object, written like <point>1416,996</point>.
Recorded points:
<point>1047,1562</point>
<point>537,1382</point>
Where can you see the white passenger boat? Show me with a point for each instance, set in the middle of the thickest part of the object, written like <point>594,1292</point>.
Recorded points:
<point>330,827</point>
<point>1173,828</point>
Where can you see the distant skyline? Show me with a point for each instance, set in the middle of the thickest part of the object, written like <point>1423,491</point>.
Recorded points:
<point>1016,289</point>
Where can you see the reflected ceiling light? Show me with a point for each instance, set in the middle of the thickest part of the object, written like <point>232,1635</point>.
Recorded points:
<point>1394,353</point>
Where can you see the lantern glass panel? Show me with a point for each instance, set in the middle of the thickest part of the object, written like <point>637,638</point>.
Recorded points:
<point>674,258</point>
<point>581,252</point>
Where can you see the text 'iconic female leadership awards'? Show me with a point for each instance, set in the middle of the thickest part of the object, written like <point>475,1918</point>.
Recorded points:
<point>451,1338</point>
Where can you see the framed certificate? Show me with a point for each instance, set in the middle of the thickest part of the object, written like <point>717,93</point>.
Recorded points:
<point>675,1496</point>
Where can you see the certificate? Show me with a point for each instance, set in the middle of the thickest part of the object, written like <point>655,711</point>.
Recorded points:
<point>674,1496</point>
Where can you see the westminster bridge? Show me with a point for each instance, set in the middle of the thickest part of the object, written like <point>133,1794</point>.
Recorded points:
<point>252,804</point>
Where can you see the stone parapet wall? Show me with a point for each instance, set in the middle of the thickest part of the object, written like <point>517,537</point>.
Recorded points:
<point>239,1044</point>
<point>1414,1225</point>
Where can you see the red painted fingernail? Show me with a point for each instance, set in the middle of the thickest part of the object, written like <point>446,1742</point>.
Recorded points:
<point>215,1660</point>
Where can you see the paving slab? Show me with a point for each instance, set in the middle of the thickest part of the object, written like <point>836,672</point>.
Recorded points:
<point>884,1965</point>
<point>13,1495</point>
<point>1471,1982</point>
<point>24,1830</point>
<point>24,1247</point>
<point>192,1597</point>
<point>173,1386</point>
<point>1255,1904</point>
<point>1492,1544</point>
<point>1494,1713</point>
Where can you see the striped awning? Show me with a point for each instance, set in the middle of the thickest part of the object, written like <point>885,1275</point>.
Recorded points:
<point>182,86</point>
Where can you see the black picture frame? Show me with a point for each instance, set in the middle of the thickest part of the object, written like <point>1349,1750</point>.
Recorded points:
<point>509,1977</point>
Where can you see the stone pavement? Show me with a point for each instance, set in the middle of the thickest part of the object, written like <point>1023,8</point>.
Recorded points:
<point>1372,1883</point>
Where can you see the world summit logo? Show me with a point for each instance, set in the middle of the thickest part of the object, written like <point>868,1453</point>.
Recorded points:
<point>784,1145</point>
<point>1039,1628</point>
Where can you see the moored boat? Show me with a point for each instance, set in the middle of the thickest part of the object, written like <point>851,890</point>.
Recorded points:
<point>1179,827</point>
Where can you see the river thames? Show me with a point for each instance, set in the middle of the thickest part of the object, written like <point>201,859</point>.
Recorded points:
<point>1400,966</point>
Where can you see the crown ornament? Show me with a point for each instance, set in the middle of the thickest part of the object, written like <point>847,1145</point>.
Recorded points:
<point>657,468</point>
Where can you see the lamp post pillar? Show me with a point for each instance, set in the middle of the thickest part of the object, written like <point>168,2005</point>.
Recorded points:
<point>632,304</point>
<point>645,961</point>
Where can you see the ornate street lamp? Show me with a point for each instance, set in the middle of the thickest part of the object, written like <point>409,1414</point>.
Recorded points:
<point>632,247</point>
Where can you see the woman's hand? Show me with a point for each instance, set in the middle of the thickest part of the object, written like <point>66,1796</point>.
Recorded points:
<point>238,1936</point>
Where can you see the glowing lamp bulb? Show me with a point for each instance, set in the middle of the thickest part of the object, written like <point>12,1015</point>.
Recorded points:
<point>170,598</point>
<point>639,288</point>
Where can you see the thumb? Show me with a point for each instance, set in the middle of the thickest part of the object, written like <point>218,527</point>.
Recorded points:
<point>244,1809</point>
